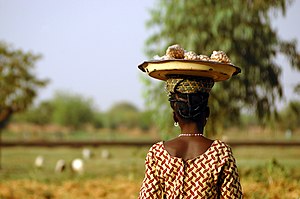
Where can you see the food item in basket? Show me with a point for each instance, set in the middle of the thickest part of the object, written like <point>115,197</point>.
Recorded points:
<point>167,57</point>
<point>175,51</point>
<point>190,55</point>
<point>203,57</point>
<point>219,56</point>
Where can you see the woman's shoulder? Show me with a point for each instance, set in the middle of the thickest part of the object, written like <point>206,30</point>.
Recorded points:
<point>221,147</point>
<point>157,145</point>
<point>156,148</point>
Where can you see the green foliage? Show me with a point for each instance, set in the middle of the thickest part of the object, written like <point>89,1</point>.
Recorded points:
<point>290,116</point>
<point>97,121</point>
<point>122,114</point>
<point>159,110</point>
<point>269,172</point>
<point>243,30</point>
<point>75,111</point>
<point>297,89</point>
<point>18,82</point>
<point>72,110</point>
<point>41,114</point>
<point>145,122</point>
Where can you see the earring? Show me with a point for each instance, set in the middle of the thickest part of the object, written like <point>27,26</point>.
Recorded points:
<point>176,124</point>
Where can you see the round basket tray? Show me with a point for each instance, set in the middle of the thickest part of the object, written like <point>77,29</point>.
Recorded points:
<point>161,69</point>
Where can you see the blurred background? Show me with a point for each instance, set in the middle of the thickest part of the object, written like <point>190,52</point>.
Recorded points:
<point>77,117</point>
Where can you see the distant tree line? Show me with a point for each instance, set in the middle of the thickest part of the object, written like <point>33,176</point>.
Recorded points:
<point>75,111</point>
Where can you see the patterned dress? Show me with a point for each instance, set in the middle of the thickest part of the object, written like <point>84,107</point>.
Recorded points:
<point>212,174</point>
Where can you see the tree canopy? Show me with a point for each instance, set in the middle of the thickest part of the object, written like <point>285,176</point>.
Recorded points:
<point>289,117</point>
<point>18,83</point>
<point>122,114</point>
<point>243,30</point>
<point>73,110</point>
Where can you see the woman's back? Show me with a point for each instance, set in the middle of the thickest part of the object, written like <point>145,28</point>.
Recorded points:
<point>207,175</point>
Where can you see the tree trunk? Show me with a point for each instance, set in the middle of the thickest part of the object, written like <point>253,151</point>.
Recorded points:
<point>5,115</point>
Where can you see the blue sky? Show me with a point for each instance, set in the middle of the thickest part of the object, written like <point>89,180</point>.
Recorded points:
<point>93,47</point>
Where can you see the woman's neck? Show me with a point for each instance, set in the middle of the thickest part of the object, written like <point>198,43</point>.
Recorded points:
<point>192,128</point>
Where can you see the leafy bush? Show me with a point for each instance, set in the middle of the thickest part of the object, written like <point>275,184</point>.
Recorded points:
<point>72,110</point>
<point>289,116</point>
<point>122,114</point>
<point>267,173</point>
<point>40,114</point>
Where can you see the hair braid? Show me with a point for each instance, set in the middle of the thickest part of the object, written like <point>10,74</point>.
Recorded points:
<point>189,106</point>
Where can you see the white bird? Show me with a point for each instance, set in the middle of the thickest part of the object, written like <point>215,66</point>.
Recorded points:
<point>105,154</point>
<point>39,161</point>
<point>77,165</point>
<point>87,153</point>
<point>60,166</point>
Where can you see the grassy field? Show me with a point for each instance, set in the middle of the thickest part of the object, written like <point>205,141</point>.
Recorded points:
<point>265,173</point>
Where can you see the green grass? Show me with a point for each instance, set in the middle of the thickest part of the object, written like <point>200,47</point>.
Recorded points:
<point>18,162</point>
<point>266,172</point>
<point>271,160</point>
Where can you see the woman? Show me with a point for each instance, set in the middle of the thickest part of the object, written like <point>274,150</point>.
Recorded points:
<point>191,165</point>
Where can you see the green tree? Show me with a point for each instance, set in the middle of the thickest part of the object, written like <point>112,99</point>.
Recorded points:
<point>290,116</point>
<point>72,110</point>
<point>18,83</point>
<point>243,30</point>
<point>145,122</point>
<point>40,114</point>
<point>122,114</point>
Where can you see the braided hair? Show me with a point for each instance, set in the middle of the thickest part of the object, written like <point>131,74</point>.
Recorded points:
<point>190,106</point>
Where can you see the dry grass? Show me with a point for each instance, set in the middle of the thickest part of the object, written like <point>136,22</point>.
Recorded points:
<point>106,189</point>
<point>279,189</point>
<point>124,188</point>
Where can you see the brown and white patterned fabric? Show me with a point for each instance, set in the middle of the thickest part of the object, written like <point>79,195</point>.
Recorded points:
<point>210,175</point>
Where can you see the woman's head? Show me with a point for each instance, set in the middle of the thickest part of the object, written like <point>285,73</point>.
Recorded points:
<point>188,97</point>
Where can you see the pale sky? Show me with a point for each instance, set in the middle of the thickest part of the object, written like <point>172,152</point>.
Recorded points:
<point>93,47</point>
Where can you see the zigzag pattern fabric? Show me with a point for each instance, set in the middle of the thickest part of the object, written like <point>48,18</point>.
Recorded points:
<point>212,174</point>
<point>189,85</point>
